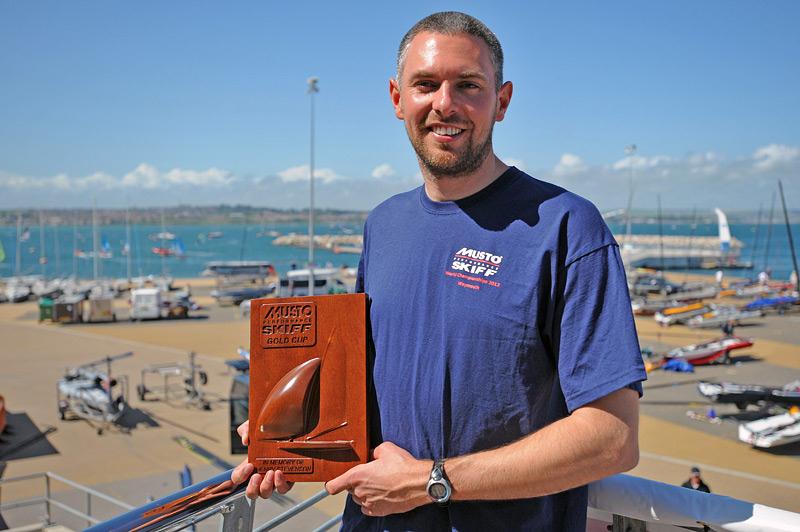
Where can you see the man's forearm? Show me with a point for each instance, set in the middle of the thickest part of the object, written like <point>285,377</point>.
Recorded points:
<point>595,441</point>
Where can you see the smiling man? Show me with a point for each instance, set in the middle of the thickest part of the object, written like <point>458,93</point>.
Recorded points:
<point>506,365</point>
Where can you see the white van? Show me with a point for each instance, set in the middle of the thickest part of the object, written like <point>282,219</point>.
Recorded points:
<point>145,304</point>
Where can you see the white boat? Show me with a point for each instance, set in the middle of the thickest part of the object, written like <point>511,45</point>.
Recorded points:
<point>771,431</point>
<point>672,315</point>
<point>17,293</point>
<point>722,315</point>
<point>163,235</point>
<point>697,354</point>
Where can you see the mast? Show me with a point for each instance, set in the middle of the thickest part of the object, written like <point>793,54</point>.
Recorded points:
<point>691,242</point>
<point>244,239</point>
<point>42,256</point>
<point>769,233</point>
<point>57,251</point>
<point>75,247</point>
<point>755,242</point>
<point>95,245</point>
<point>18,256</point>
<point>163,245</point>
<point>789,234</point>
<point>128,242</point>
<point>660,236</point>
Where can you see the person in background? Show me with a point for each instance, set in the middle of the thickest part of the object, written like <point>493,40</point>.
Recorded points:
<point>695,481</point>
<point>727,328</point>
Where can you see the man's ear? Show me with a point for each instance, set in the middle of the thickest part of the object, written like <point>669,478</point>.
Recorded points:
<point>503,100</point>
<point>394,94</point>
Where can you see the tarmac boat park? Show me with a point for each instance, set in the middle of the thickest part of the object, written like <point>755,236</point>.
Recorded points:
<point>140,459</point>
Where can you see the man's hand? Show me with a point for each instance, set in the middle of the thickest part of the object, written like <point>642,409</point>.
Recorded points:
<point>394,482</point>
<point>259,485</point>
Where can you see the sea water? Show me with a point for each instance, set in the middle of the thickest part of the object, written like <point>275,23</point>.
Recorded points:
<point>241,242</point>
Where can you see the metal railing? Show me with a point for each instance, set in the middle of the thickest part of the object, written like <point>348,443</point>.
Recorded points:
<point>216,496</point>
<point>49,502</point>
<point>621,502</point>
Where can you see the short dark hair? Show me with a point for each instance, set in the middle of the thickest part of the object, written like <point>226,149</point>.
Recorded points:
<point>451,23</point>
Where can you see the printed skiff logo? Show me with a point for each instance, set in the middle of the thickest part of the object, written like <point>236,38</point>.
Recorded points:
<point>288,324</point>
<point>475,266</point>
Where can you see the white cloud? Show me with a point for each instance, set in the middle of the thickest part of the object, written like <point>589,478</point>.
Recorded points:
<point>773,156</point>
<point>382,171</point>
<point>569,164</point>
<point>640,163</point>
<point>300,173</point>
<point>706,163</point>
<point>144,176</point>
<point>210,177</point>
<point>149,177</point>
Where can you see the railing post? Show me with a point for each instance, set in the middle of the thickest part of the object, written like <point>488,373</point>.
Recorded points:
<point>88,508</point>
<point>47,499</point>
<point>628,524</point>
<point>237,515</point>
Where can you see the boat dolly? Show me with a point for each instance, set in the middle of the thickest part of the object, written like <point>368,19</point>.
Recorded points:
<point>191,377</point>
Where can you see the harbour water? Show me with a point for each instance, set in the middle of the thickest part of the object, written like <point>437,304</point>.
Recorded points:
<point>764,246</point>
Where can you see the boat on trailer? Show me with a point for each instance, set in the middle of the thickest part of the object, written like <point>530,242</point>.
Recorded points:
<point>772,431</point>
<point>750,394</point>
<point>705,353</point>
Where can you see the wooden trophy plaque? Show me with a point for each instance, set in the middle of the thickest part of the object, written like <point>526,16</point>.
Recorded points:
<point>308,385</point>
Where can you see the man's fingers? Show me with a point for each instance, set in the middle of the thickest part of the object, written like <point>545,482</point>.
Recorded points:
<point>242,472</point>
<point>252,490</point>
<point>281,484</point>
<point>267,485</point>
<point>339,484</point>
<point>244,432</point>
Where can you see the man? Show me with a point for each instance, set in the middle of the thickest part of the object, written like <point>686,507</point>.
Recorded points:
<point>695,482</point>
<point>506,364</point>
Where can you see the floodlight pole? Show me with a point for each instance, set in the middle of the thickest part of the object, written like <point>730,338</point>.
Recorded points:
<point>312,89</point>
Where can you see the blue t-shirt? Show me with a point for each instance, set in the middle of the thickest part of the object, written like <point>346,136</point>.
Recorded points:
<point>491,317</point>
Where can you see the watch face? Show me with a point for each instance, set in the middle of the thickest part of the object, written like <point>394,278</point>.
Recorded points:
<point>437,491</point>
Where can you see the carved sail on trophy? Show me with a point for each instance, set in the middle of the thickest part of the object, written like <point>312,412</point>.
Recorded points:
<point>308,390</point>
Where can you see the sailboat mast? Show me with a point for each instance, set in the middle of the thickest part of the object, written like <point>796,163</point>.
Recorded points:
<point>128,242</point>
<point>42,256</point>
<point>57,251</point>
<point>755,241</point>
<point>660,235</point>
<point>691,242</point>
<point>95,246</point>
<point>769,233</point>
<point>18,257</point>
<point>789,234</point>
<point>163,245</point>
<point>75,247</point>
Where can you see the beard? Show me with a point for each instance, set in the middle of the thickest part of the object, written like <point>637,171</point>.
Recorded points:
<point>444,161</point>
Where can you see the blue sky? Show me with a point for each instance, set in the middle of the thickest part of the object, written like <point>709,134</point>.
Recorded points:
<point>159,103</point>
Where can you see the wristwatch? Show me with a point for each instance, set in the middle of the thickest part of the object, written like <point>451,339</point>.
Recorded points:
<point>439,489</point>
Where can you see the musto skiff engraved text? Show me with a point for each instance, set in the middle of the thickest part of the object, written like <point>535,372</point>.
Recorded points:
<point>288,324</point>
<point>287,465</point>
<point>474,268</point>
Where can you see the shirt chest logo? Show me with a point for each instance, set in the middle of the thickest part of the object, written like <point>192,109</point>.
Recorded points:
<point>474,268</point>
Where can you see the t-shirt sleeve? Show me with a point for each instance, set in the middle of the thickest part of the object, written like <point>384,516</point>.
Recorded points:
<point>598,350</point>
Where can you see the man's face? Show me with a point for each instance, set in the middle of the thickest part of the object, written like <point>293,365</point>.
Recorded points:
<point>446,95</point>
